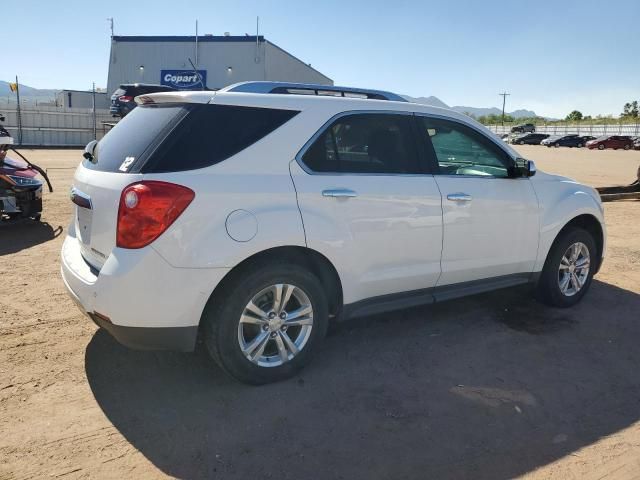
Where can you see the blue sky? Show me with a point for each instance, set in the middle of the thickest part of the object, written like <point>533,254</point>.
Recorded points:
<point>552,56</point>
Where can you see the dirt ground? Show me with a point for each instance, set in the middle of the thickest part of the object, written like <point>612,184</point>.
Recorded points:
<point>493,386</point>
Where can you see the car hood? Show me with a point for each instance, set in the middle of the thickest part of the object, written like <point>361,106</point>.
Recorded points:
<point>541,176</point>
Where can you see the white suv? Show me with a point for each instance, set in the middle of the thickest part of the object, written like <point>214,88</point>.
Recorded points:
<point>256,215</point>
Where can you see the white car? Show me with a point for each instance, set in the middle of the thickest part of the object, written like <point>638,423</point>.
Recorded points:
<point>256,215</point>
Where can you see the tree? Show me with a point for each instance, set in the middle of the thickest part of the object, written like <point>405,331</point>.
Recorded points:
<point>631,109</point>
<point>574,116</point>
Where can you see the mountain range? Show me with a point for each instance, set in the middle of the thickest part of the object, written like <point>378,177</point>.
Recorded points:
<point>475,111</point>
<point>27,92</point>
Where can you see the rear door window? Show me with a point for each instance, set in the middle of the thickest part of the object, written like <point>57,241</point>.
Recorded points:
<point>367,143</point>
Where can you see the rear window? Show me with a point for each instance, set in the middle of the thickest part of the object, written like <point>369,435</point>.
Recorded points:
<point>210,134</point>
<point>125,145</point>
<point>176,137</point>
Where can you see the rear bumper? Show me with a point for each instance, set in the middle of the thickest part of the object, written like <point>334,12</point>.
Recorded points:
<point>181,339</point>
<point>149,304</point>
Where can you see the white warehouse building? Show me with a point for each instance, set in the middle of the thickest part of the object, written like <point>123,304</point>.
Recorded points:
<point>219,61</point>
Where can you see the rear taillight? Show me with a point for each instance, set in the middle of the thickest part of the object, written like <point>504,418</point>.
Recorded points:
<point>147,209</point>
<point>125,98</point>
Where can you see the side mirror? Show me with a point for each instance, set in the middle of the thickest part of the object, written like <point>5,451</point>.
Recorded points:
<point>89,151</point>
<point>525,168</point>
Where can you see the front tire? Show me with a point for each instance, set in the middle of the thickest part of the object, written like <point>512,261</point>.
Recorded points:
<point>600,147</point>
<point>568,270</point>
<point>266,323</point>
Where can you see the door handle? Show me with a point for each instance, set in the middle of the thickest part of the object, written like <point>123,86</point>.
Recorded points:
<point>339,193</point>
<point>459,197</point>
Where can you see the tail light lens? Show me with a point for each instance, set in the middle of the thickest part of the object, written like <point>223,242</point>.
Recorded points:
<point>125,98</point>
<point>147,209</point>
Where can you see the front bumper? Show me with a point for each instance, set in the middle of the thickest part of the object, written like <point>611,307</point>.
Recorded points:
<point>139,298</point>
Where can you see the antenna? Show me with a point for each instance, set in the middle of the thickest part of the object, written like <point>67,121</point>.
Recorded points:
<point>257,57</point>
<point>110,20</point>
<point>196,41</point>
<point>504,101</point>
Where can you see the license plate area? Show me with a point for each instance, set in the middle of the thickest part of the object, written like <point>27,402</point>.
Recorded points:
<point>84,216</point>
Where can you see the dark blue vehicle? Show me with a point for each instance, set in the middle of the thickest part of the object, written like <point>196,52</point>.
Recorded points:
<point>570,140</point>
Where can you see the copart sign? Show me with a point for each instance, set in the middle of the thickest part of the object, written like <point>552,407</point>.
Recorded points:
<point>184,79</point>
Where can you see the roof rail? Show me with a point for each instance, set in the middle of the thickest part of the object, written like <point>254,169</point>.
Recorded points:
<point>311,89</point>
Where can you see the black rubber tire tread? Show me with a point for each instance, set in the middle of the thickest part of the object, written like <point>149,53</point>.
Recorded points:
<point>222,313</point>
<point>548,290</point>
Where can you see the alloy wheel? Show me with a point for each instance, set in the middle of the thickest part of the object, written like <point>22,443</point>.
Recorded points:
<point>574,269</point>
<point>275,325</point>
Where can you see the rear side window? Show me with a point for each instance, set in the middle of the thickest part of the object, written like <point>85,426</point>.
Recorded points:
<point>213,133</point>
<point>365,143</point>
<point>126,143</point>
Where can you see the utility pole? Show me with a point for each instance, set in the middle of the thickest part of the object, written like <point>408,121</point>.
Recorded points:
<point>18,112</point>
<point>95,133</point>
<point>110,20</point>
<point>504,101</point>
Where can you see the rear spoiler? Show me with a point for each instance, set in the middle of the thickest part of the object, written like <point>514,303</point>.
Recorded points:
<point>175,97</point>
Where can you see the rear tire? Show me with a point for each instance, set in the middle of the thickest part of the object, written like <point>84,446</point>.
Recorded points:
<point>520,142</point>
<point>600,147</point>
<point>568,270</point>
<point>225,335</point>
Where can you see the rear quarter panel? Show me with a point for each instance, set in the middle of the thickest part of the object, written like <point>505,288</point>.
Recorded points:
<point>256,180</point>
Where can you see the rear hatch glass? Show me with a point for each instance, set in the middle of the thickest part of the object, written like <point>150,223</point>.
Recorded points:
<point>133,136</point>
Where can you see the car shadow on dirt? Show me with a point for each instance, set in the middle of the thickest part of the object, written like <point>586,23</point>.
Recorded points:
<point>491,386</point>
<point>25,234</point>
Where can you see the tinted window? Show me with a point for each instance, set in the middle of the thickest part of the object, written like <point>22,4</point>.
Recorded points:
<point>213,133</point>
<point>460,150</point>
<point>133,135</point>
<point>365,143</point>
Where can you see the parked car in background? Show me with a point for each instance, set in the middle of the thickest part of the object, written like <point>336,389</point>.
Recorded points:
<point>529,138</point>
<point>571,140</point>
<point>122,100</point>
<point>524,128</point>
<point>187,239</point>
<point>611,141</point>
<point>636,143</point>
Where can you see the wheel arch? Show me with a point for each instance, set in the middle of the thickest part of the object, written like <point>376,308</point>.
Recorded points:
<point>306,257</point>
<point>591,224</point>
